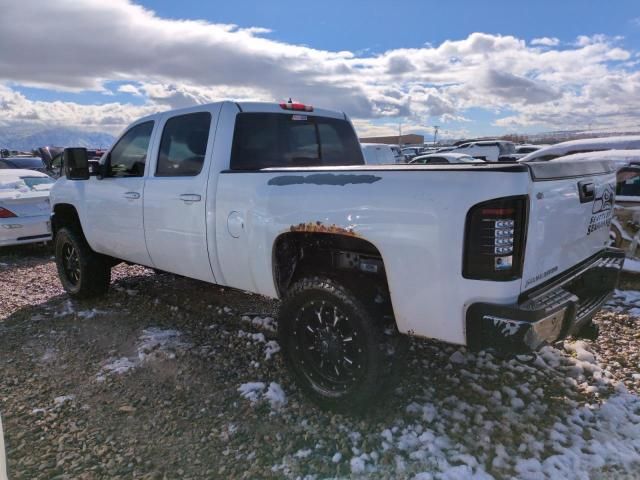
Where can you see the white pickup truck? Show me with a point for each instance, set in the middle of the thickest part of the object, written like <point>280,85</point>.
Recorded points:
<point>276,199</point>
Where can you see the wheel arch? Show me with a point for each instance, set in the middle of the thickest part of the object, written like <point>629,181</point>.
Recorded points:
<point>332,254</point>
<point>65,215</point>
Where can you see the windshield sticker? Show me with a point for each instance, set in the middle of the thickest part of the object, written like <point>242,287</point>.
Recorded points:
<point>299,117</point>
<point>602,211</point>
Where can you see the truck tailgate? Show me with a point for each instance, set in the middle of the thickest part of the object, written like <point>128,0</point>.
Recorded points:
<point>570,212</point>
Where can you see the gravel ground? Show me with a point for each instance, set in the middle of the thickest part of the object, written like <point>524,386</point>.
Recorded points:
<point>167,377</point>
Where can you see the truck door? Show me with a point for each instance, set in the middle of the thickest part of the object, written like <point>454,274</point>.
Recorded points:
<point>175,195</point>
<point>114,203</point>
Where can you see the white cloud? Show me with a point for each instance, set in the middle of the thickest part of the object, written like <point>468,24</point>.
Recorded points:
<point>129,88</point>
<point>546,41</point>
<point>109,117</point>
<point>171,63</point>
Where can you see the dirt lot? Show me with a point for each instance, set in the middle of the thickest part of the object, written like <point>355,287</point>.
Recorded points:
<point>171,378</point>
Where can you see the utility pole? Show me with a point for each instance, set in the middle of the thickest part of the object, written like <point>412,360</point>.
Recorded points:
<point>400,134</point>
<point>435,134</point>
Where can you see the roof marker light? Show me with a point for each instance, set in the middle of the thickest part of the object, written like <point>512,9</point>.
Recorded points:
<point>297,106</point>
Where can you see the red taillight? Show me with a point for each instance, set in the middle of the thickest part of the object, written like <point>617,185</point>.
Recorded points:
<point>299,107</point>
<point>5,213</point>
<point>494,239</point>
<point>498,211</point>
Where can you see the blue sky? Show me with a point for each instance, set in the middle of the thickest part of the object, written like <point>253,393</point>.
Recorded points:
<point>385,25</point>
<point>475,68</point>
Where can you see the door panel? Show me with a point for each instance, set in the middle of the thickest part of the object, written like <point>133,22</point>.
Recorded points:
<point>113,210</point>
<point>175,195</point>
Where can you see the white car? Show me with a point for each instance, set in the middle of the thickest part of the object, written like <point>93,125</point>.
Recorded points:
<point>489,150</point>
<point>585,145</point>
<point>276,199</point>
<point>410,152</point>
<point>526,149</point>
<point>444,158</point>
<point>24,207</point>
<point>378,154</point>
<point>397,153</point>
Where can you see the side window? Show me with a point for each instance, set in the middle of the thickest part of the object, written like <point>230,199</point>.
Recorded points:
<point>128,157</point>
<point>628,183</point>
<point>183,145</point>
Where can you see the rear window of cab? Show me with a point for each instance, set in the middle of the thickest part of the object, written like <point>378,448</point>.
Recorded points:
<point>278,140</point>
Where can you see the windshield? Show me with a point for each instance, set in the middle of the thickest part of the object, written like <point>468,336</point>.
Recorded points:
<point>38,183</point>
<point>26,184</point>
<point>26,162</point>
<point>507,148</point>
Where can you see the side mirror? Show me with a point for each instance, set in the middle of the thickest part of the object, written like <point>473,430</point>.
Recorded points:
<point>76,163</point>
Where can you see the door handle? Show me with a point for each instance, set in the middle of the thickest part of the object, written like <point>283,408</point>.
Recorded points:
<point>132,195</point>
<point>587,191</point>
<point>190,197</point>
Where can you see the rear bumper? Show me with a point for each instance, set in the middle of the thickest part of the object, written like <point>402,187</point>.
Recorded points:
<point>19,230</point>
<point>549,313</point>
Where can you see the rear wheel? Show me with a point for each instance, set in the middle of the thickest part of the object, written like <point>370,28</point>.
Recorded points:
<point>83,272</point>
<point>339,354</point>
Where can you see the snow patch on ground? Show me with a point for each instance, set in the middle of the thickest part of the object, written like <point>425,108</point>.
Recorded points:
<point>631,265</point>
<point>271,347</point>
<point>252,391</point>
<point>67,308</point>
<point>261,323</point>
<point>255,392</point>
<point>558,414</point>
<point>153,344</point>
<point>89,314</point>
<point>624,300</point>
<point>583,438</point>
<point>158,343</point>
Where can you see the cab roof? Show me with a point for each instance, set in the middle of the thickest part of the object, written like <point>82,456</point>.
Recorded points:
<point>251,107</point>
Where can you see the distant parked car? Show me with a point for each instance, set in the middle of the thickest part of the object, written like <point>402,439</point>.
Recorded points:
<point>526,149</point>
<point>25,163</point>
<point>411,152</point>
<point>397,153</point>
<point>631,142</point>
<point>488,150</point>
<point>377,154</point>
<point>444,158</point>
<point>24,207</point>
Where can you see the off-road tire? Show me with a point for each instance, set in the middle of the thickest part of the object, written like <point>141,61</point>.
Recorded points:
<point>93,270</point>
<point>381,347</point>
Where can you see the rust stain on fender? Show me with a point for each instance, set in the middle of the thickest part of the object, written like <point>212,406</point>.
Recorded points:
<point>319,227</point>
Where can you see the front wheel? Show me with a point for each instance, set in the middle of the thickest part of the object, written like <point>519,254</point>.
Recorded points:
<point>337,351</point>
<point>83,272</point>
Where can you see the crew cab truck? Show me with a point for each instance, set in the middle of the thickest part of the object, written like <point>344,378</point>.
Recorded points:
<point>276,199</point>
